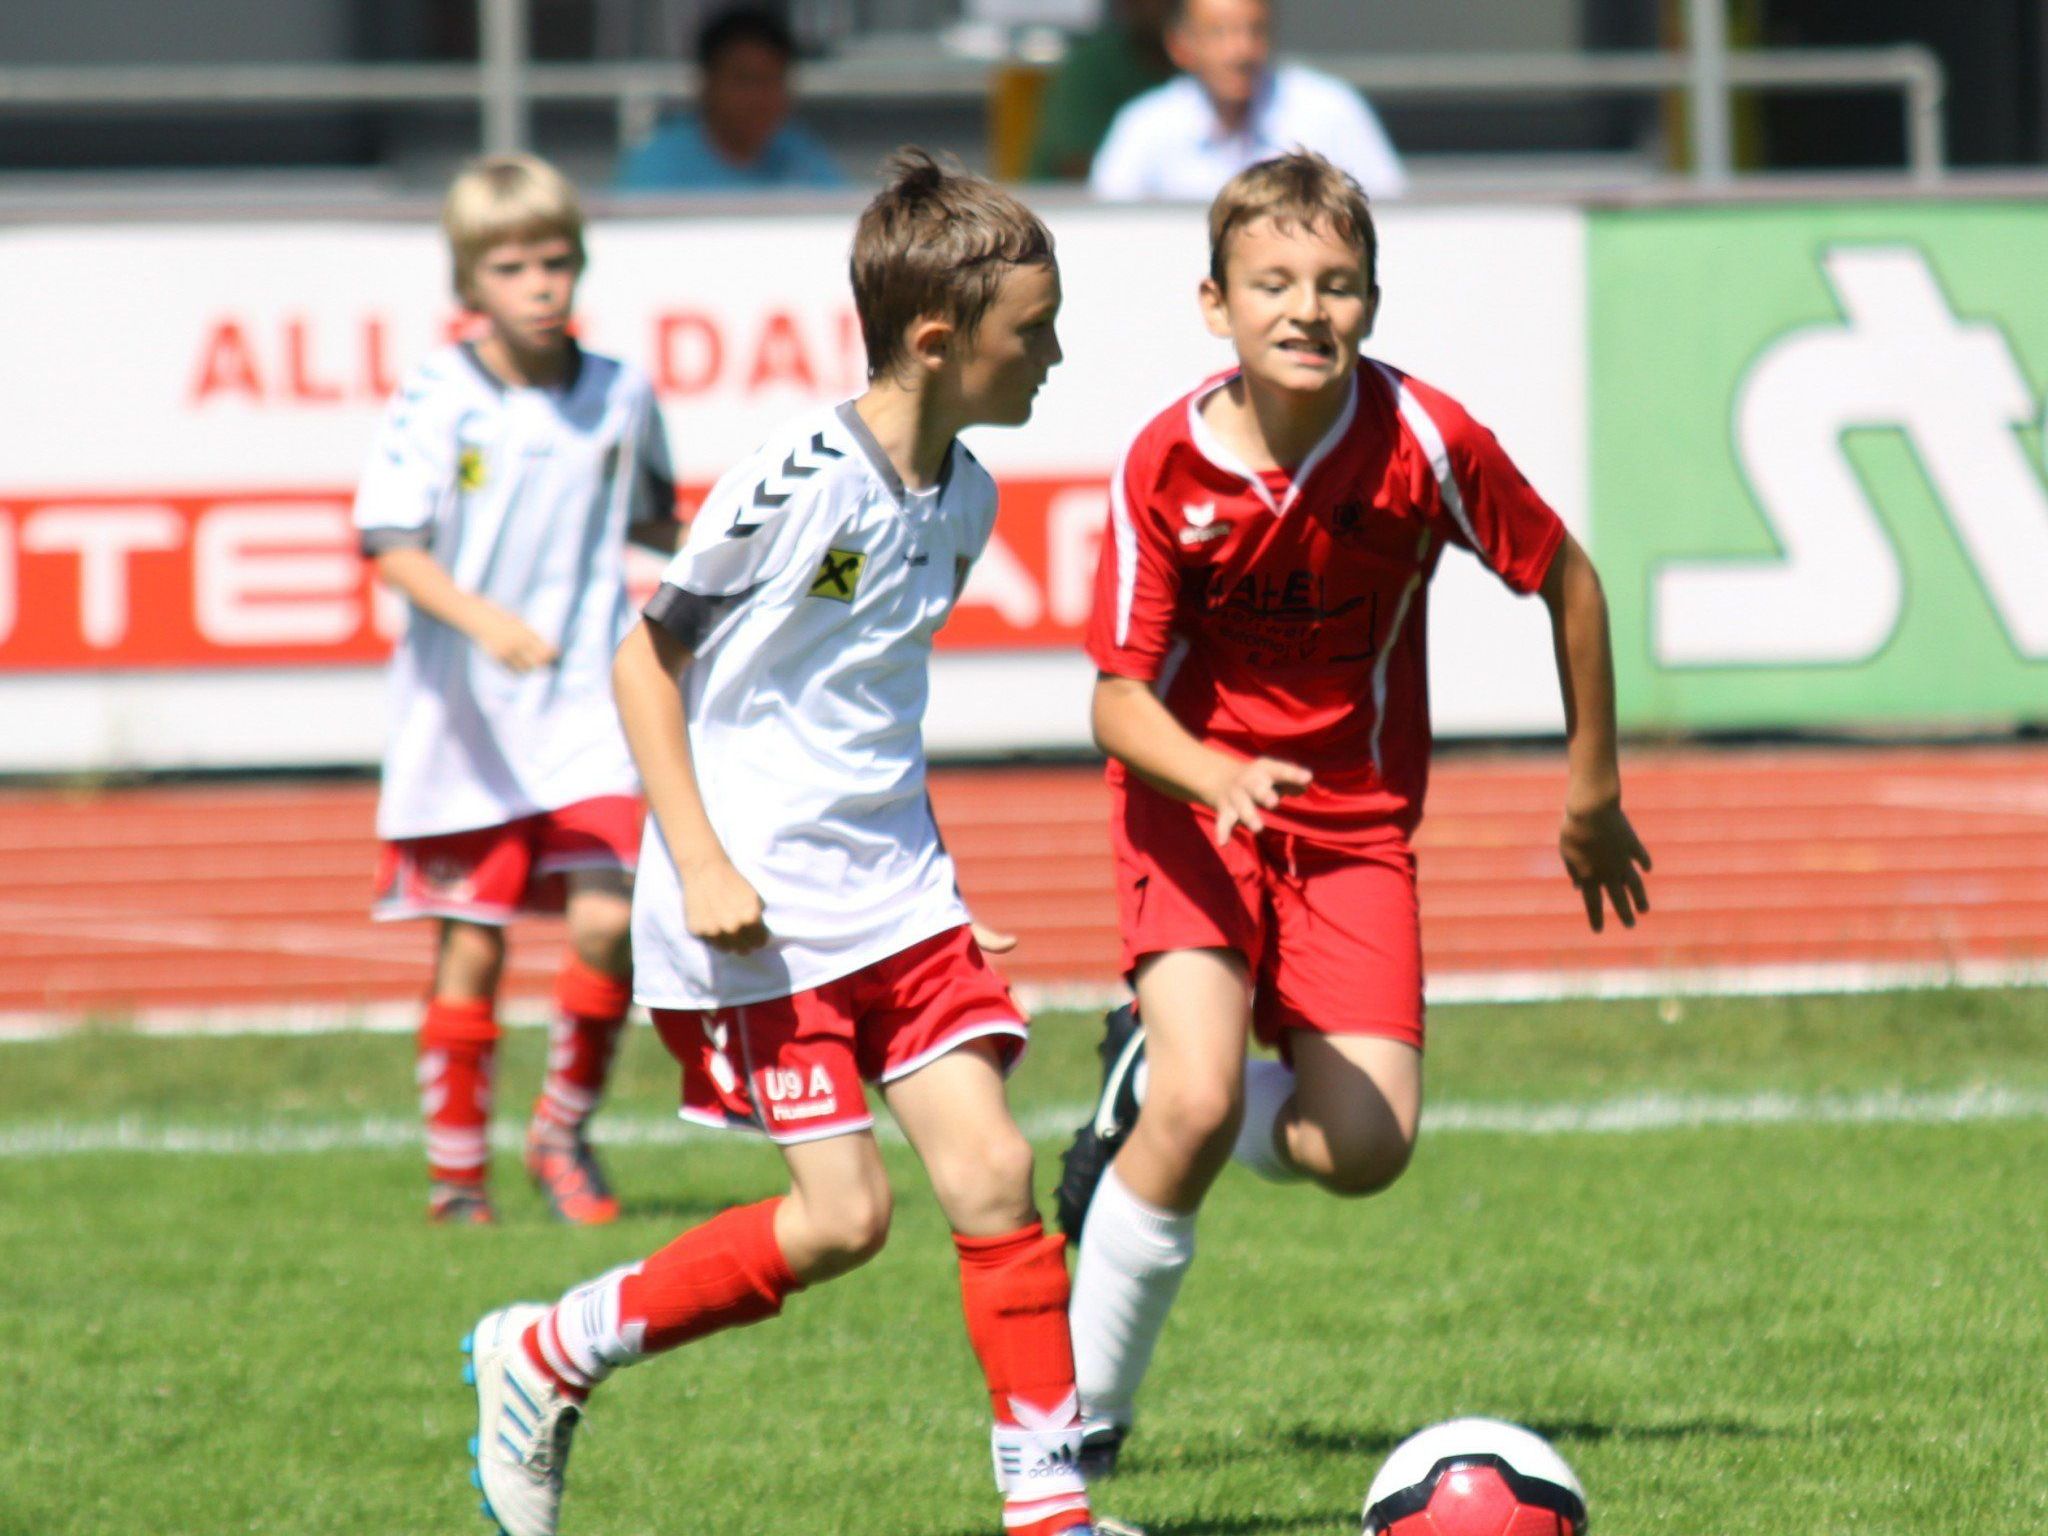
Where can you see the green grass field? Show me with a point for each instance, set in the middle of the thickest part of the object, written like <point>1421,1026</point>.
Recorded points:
<point>1755,1266</point>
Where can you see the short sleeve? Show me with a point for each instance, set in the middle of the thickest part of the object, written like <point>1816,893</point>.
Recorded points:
<point>736,546</point>
<point>1137,583</point>
<point>410,477</point>
<point>1489,507</point>
<point>654,478</point>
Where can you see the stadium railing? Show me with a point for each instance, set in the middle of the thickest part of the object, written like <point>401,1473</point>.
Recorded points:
<point>503,87</point>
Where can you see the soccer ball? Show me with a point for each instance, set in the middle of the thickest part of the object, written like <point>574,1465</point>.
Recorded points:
<point>1475,1477</point>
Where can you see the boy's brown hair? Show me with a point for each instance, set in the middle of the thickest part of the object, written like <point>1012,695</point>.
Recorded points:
<point>1299,191</point>
<point>935,242</point>
<point>507,197</point>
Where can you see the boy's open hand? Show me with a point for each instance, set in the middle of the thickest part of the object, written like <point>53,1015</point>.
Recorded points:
<point>720,908</point>
<point>1601,854</point>
<point>1253,787</point>
<point>508,641</point>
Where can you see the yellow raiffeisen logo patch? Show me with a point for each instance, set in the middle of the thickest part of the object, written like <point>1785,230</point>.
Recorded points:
<point>839,575</point>
<point>469,469</point>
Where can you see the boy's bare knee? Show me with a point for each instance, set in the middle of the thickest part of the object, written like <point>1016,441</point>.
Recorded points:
<point>601,934</point>
<point>470,957</point>
<point>846,1233</point>
<point>855,1228</point>
<point>606,947</point>
<point>1367,1166</point>
<point>1196,1116</point>
<point>1006,1166</point>
<point>987,1185</point>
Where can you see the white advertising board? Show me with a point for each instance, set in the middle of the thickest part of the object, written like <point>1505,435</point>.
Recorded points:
<point>189,404</point>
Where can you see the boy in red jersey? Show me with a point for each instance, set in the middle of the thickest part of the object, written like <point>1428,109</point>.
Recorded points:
<point>798,929</point>
<point>1263,697</point>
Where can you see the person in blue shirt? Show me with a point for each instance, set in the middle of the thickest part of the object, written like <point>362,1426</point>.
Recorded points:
<point>742,137</point>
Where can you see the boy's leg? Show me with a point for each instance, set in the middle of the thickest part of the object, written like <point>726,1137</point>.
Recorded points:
<point>1013,1280</point>
<point>592,995</point>
<point>457,1059</point>
<point>534,1366</point>
<point>737,1267</point>
<point>1342,994</point>
<point>1140,1234</point>
<point>732,1270</point>
<point>1345,1116</point>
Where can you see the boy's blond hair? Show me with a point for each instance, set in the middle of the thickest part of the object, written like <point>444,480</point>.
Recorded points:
<point>1298,191</point>
<point>507,197</point>
<point>935,242</point>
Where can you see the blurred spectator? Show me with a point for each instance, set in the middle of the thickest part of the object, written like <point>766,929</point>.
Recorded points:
<point>741,138</point>
<point>1124,58</point>
<point>1230,109</point>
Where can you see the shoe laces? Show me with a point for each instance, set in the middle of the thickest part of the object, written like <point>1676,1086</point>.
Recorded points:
<point>551,1437</point>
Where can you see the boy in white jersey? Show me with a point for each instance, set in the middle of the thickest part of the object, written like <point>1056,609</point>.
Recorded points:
<point>797,924</point>
<point>508,476</point>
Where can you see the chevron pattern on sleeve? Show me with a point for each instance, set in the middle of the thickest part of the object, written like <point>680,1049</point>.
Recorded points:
<point>774,491</point>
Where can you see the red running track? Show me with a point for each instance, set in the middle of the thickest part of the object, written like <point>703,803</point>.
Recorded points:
<point>1776,870</point>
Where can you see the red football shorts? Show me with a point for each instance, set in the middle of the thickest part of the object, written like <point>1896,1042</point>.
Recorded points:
<point>793,1066</point>
<point>493,874</point>
<point>1332,936</point>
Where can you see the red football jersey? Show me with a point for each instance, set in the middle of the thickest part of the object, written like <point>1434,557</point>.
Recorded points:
<point>1285,616</point>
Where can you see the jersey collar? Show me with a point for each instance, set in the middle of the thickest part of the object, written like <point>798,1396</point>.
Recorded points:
<point>1212,447</point>
<point>570,378</point>
<point>878,458</point>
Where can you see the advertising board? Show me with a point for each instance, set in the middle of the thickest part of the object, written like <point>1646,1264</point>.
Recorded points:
<point>1817,458</point>
<point>178,582</point>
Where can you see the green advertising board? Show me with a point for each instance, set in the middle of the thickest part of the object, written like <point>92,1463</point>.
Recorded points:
<point>1818,486</point>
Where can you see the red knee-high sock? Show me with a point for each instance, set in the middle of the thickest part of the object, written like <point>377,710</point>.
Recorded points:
<point>724,1274</point>
<point>590,1009</point>
<point>1014,1290</point>
<point>458,1047</point>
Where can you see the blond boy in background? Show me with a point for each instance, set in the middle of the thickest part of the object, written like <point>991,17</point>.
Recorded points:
<point>509,473</point>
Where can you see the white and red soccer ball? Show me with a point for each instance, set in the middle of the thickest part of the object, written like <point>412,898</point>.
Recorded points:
<point>1475,1477</point>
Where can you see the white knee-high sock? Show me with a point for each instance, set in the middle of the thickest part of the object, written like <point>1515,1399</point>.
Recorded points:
<point>1268,1085</point>
<point>1133,1257</point>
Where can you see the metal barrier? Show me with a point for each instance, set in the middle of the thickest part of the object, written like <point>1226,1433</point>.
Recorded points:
<point>503,86</point>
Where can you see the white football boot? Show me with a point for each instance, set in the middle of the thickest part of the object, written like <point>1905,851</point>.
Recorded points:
<point>524,1424</point>
<point>1038,1469</point>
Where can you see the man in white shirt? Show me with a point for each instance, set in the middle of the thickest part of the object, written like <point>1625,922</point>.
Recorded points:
<point>1230,109</point>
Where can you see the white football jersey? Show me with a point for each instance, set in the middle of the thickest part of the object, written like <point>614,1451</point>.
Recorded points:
<point>524,496</point>
<point>809,592</point>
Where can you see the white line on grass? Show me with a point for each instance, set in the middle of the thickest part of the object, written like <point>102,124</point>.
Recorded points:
<point>1632,1115</point>
<point>1820,978</point>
